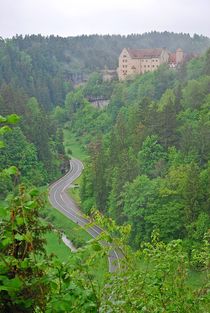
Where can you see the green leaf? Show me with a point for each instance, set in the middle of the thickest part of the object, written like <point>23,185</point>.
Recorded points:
<point>24,264</point>
<point>34,192</point>
<point>2,119</point>
<point>2,145</point>
<point>12,170</point>
<point>19,237</point>
<point>13,284</point>
<point>13,118</point>
<point>96,246</point>
<point>4,130</point>
<point>3,212</point>
<point>7,241</point>
<point>20,221</point>
<point>3,287</point>
<point>30,205</point>
<point>28,237</point>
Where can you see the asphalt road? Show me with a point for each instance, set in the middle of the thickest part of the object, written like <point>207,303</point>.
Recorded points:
<point>60,199</point>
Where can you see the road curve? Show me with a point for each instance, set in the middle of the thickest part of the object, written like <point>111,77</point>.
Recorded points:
<point>60,200</point>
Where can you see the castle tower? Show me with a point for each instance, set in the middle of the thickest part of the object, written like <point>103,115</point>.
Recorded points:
<point>179,56</point>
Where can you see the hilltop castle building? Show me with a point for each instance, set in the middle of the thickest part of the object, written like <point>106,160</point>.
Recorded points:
<point>133,62</point>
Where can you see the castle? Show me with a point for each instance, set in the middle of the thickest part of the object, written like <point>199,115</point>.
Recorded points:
<point>133,62</point>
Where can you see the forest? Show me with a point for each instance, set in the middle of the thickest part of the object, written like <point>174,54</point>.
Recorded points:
<point>44,67</point>
<point>146,180</point>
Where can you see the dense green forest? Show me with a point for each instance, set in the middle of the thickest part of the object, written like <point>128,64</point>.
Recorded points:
<point>146,180</point>
<point>149,154</point>
<point>46,66</point>
<point>35,143</point>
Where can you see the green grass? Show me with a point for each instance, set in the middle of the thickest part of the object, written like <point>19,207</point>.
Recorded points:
<point>56,246</point>
<point>196,279</point>
<point>77,235</point>
<point>74,232</point>
<point>79,238</point>
<point>74,192</point>
<point>72,143</point>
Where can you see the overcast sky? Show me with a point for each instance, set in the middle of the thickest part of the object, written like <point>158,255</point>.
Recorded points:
<point>76,17</point>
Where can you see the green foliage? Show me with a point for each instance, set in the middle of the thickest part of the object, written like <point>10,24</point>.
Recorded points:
<point>139,200</point>
<point>73,145</point>
<point>36,126</point>
<point>20,153</point>
<point>23,283</point>
<point>206,68</point>
<point>45,67</point>
<point>161,286</point>
<point>87,190</point>
<point>149,167</point>
<point>10,119</point>
<point>152,84</point>
<point>86,121</point>
<point>195,68</point>
<point>55,243</point>
<point>151,156</point>
<point>63,225</point>
<point>74,101</point>
<point>97,88</point>
<point>195,92</point>
<point>31,281</point>
<point>59,114</point>
<point>40,131</point>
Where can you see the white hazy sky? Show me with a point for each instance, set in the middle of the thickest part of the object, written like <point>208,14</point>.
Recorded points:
<point>76,17</point>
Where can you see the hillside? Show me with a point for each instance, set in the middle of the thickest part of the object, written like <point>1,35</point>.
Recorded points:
<point>146,180</point>
<point>45,66</point>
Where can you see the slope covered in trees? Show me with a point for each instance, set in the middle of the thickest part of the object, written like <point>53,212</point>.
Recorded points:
<point>35,144</point>
<point>148,172</point>
<point>44,66</point>
<point>150,153</point>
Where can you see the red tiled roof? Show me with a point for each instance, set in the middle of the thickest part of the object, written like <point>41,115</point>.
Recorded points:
<point>172,58</point>
<point>144,53</point>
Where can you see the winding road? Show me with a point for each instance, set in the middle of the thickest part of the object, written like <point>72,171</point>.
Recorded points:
<point>60,200</point>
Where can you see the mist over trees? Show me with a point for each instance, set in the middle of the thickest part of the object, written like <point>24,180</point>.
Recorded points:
<point>146,180</point>
<point>45,66</point>
<point>150,164</point>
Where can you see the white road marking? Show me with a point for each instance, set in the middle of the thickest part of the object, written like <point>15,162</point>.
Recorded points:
<point>75,216</point>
